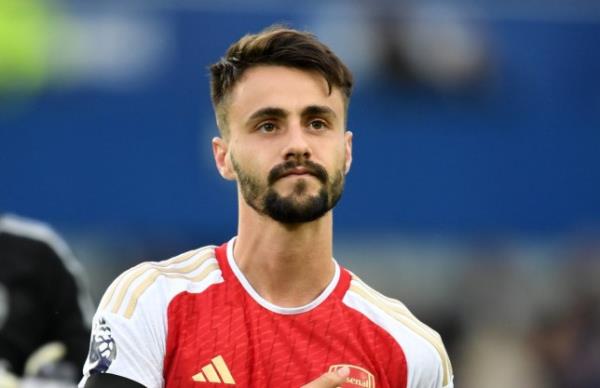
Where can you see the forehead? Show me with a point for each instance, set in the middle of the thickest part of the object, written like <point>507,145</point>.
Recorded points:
<point>281,87</point>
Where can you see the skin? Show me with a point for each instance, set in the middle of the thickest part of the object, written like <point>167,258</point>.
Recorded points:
<point>287,264</point>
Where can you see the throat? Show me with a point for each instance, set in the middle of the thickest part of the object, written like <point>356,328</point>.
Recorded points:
<point>286,280</point>
<point>289,288</point>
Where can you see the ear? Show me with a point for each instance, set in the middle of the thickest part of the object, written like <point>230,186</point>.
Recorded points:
<point>221,153</point>
<point>348,140</point>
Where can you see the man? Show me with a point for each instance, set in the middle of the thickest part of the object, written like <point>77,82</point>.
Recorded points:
<point>44,308</point>
<point>269,308</point>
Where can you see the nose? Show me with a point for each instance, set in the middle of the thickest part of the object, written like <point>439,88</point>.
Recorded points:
<point>297,144</point>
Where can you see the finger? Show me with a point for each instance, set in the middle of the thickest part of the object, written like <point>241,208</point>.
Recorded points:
<point>330,379</point>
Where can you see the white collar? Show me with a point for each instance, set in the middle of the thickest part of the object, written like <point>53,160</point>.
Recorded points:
<point>270,306</point>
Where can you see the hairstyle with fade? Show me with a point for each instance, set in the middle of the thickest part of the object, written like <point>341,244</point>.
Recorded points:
<point>276,45</point>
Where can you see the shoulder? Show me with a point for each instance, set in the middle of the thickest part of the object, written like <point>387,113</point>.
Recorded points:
<point>25,231</point>
<point>423,347</point>
<point>140,296</point>
<point>157,282</point>
<point>47,254</point>
<point>131,320</point>
<point>37,242</point>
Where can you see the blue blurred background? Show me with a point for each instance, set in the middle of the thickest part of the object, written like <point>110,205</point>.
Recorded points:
<point>474,193</point>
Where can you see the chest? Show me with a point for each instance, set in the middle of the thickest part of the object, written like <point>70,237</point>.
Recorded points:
<point>216,340</point>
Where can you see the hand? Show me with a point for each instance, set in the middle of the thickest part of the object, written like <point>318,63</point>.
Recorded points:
<point>330,379</point>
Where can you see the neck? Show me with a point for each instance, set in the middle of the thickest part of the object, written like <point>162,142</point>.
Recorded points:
<point>288,265</point>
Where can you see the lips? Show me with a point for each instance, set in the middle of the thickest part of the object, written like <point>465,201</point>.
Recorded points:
<point>293,168</point>
<point>296,171</point>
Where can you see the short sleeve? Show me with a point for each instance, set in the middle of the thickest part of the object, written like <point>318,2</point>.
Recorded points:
<point>128,345</point>
<point>129,332</point>
<point>429,363</point>
<point>451,383</point>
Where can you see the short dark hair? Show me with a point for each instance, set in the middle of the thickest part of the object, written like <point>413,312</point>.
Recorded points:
<point>277,45</point>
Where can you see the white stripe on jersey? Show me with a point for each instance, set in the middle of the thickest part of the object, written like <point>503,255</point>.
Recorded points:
<point>135,308</point>
<point>185,272</point>
<point>427,361</point>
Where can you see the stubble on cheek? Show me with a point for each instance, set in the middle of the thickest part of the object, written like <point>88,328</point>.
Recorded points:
<point>249,185</point>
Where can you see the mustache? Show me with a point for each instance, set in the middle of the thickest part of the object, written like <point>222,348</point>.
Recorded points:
<point>311,168</point>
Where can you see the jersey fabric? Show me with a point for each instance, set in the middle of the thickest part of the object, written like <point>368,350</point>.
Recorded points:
<point>42,295</point>
<point>195,321</point>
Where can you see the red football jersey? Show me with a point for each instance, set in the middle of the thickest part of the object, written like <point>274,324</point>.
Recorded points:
<point>195,321</point>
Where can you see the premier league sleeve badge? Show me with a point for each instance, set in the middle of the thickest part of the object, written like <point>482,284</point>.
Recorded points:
<point>103,349</point>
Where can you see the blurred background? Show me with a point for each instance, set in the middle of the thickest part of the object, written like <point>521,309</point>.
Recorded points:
<point>474,195</point>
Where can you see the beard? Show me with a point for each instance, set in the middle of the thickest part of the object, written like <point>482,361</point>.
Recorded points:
<point>297,207</point>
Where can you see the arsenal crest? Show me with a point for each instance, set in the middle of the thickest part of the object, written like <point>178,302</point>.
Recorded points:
<point>358,377</point>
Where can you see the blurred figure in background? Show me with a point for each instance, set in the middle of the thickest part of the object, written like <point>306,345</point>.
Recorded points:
<point>44,309</point>
<point>568,344</point>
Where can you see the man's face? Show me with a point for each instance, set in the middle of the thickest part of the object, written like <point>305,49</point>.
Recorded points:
<point>287,145</point>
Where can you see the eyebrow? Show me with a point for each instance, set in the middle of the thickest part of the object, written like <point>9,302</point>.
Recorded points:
<point>318,110</point>
<point>268,112</point>
<point>279,113</point>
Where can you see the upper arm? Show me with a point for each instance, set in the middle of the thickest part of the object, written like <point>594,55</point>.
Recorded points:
<point>429,365</point>
<point>130,346</point>
<point>130,327</point>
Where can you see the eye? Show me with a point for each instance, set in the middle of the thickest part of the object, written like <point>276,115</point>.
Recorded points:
<point>318,125</point>
<point>267,127</point>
